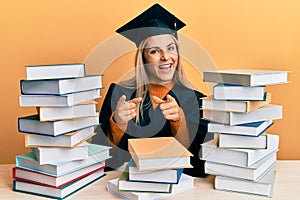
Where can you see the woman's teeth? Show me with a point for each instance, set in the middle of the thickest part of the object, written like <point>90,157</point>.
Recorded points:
<point>165,66</point>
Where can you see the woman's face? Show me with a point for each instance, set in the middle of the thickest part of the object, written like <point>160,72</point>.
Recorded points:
<point>161,58</point>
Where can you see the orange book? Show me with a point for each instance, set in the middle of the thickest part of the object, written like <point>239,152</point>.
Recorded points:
<point>159,153</point>
<point>241,106</point>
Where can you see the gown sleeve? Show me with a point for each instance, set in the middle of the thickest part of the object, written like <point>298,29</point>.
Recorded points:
<point>113,131</point>
<point>116,131</point>
<point>180,131</point>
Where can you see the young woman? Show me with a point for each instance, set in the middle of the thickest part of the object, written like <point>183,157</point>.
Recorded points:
<point>158,101</point>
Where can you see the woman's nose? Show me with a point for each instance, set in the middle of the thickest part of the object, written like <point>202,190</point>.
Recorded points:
<point>164,55</point>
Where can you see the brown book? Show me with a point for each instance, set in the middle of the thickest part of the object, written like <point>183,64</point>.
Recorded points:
<point>159,153</point>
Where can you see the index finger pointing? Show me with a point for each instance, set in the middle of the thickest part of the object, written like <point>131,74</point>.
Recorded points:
<point>169,98</point>
<point>157,100</point>
<point>136,100</point>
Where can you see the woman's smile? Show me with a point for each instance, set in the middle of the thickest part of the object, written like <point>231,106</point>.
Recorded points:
<point>165,67</point>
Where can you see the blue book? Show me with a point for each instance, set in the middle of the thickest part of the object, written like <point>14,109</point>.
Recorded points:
<point>167,176</point>
<point>97,153</point>
<point>32,124</point>
<point>250,129</point>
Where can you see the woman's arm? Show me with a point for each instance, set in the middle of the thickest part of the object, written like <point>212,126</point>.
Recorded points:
<point>116,112</point>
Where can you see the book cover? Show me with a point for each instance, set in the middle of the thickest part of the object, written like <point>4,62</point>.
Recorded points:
<point>32,176</point>
<point>237,157</point>
<point>32,124</point>
<point>267,112</point>
<point>47,155</point>
<point>59,193</point>
<point>97,153</point>
<point>55,71</point>
<point>234,106</point>
<point>263,187</point>
<point>136,186</point>
<point>250,129</point>
<point>170,176</point>
<point>186,183</point>
<point>237,92</point>
<point>68,140</point>
<point>159,153</point>
<point>253,172</point>
<point>243,142</point>
<point>58,100</point>
<point>86,109</point>
<point>246,77</point>
<point>61,86</point>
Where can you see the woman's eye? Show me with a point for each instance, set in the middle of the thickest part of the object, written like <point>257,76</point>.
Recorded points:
<point>171,48</point>
<point>155,51</point>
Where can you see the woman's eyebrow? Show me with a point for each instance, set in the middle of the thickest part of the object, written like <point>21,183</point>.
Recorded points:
<point>154,47</point>
<point>172,43</point>
<point>158,47</point>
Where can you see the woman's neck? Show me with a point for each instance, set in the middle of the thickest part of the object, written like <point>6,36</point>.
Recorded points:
<point>165,85</point>
<point>160,90</point>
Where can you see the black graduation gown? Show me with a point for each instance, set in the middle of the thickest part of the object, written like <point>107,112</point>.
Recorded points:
<point>153,124</point>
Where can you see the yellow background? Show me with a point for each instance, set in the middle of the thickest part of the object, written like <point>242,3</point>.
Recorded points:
<point>250,34</point>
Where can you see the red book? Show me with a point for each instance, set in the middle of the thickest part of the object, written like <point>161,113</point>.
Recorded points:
<point>35,177</point>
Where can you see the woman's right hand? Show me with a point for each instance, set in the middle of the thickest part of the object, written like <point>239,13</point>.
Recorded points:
<point>126,110</point>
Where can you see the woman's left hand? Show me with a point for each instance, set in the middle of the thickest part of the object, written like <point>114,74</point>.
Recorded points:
<point>170,109</point>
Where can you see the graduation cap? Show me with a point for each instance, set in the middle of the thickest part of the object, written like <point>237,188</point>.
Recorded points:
<point>156,20</point>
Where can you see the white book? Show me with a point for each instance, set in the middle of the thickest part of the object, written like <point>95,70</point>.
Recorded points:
<point>61,86</point>
<point>253,172</point>
<point>97,153</point>
<point>268,112</point>
<point>250,129</point>
<point>87,109</point>
<point>234,106</point>
<point>31,124</point>
<point>55,71</point>
<point>171,176</point>
<point>46,155</point>
<point>138,186</point>
<point>68,140</point>
<point>58,193</point>
<point>53,181</point>
<point>263,187</point>
<point>237,92</point>
<point>243,142</point>
<point>246,77</point>
<point>59,100</point>
<point>186,183</point>
<point>237,157</point>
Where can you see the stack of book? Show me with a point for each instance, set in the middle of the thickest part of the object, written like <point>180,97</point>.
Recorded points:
<point>155,170</point>
<point>61,160</point>
<point>243,155</point>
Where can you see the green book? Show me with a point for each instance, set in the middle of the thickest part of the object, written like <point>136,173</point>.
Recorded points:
<point>97,153</point>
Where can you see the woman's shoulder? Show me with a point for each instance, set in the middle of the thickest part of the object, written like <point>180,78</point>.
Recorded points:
<point>118,89</point>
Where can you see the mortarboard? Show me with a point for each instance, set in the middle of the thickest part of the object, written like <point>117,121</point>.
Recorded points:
<point>156,20</point>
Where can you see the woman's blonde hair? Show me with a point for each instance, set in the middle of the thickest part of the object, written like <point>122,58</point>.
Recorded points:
<point>141,81</point>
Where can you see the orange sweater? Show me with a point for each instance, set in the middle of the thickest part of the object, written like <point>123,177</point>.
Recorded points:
<point>178,128</point>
